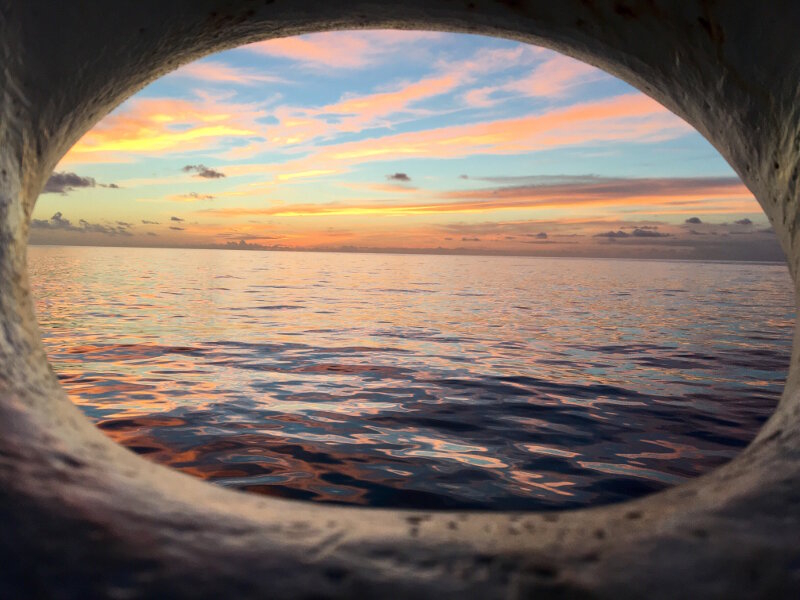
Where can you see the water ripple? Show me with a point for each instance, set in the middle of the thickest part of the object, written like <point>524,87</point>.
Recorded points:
<point>418,381</point>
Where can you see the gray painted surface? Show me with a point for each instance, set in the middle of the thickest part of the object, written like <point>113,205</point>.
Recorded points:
<point>82,517</point>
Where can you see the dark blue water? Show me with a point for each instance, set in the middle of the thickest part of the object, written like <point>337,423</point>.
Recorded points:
<point>419,381</point>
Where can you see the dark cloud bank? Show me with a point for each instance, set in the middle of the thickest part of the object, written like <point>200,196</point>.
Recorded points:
<point>60,223</point>
<point>63,183</point>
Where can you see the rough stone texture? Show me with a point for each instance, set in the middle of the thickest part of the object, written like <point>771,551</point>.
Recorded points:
<point>82,517</point>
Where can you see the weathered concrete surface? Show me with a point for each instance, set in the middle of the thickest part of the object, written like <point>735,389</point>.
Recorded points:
<point>82,517</point>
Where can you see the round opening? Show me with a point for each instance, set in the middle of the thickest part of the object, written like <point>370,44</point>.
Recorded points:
<point>414,270</point>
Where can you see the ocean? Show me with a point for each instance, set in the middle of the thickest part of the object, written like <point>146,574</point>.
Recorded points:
<point>418,381</point>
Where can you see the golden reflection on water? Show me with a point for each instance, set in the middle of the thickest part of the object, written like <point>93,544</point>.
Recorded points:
<point>420,381</point>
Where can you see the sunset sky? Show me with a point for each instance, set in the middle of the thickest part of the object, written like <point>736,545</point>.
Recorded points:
<point>401,141</point>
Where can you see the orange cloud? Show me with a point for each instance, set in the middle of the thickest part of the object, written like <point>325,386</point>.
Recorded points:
<point>152,126</point>
<point>190,197</point>
<point>384,188</point>
<point>680,194</point>
<point>305,174</point>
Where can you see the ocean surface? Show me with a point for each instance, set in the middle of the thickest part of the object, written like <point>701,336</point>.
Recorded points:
<point>418,381</point>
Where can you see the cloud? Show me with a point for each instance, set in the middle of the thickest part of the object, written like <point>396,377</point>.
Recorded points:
<point>361,112</point>
<point>156,126</point>
<point>470,239</point>
<point>350,114</point>
<point>62,183</point>
<point>629,117</point>
<point>658,194</point>
<point>219,72</point>
<point>398,177</point>
<point>341,50</point>
<point>203,171</point>
<point>190,197</point>
<point>539,236</point>
<point>176,228</point>
<point>60,223</point>
<point>177,219</point>
<point>648,233</point>
<point>574,191</point>
<point>384,188</point>
<point>556,76</point>
<point>614,235</point>
<point>552,78</point>
<point>146,222</point>
<point>87,227</point>
<point>746,222</point>
<point>693,221</point>
<point>57,221</point>
<point>380,109</point>
<point>305,174</point>
<point>636,233</point>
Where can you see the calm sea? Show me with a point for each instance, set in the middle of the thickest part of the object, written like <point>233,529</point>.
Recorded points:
<point>418,381</point>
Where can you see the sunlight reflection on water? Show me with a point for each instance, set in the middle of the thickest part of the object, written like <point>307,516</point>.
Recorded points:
<point>418,381</point>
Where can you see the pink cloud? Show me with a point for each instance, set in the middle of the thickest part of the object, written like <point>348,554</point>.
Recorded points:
<point>340,50</point>
<point>631,117</point>
<point>219,72</point>
<point>555,76</point>
<point>626,118</point>
<point>364,110</point>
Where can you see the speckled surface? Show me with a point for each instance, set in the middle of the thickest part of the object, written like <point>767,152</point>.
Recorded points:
<point>85,518</point>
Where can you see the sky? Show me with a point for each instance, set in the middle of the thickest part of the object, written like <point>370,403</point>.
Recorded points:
<point>400,141</point>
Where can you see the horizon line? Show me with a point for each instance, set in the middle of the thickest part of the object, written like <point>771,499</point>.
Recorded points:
<point>415,251</point>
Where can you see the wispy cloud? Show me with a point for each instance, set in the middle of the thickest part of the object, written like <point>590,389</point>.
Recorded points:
<point>156,126</point>
<point>340,50</point>
<point>630,117</point>
<point>553,78</point>
<point>624,118</point>
<point>190,197</point>
<point>220,72</point>
<point>592,187</point>
<point>565,193</point>
<point>556,76</point>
